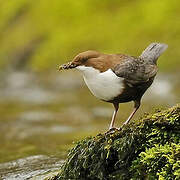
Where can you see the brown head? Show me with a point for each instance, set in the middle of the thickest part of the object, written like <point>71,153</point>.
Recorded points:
<point>80,60</point>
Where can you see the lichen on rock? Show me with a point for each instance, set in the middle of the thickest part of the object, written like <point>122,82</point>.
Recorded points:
<point>147,150</point>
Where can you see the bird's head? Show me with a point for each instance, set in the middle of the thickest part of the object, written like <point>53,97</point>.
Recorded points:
<point>81,59</point>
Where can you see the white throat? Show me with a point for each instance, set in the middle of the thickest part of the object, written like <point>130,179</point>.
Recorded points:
<point>105,86</point>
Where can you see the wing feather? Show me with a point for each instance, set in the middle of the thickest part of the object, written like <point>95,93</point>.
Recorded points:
<point>135,70</point>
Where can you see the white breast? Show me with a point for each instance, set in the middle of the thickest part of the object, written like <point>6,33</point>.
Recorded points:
<point>105,85</point>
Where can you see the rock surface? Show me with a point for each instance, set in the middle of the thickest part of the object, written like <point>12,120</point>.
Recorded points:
<point>147,150</point>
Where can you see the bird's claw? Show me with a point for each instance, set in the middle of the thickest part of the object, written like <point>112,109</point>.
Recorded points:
<point>112,130</point>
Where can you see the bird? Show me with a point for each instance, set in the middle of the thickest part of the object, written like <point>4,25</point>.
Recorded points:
<point>118,78</point>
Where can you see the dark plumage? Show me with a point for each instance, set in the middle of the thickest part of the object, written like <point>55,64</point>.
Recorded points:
<point>118,78</point>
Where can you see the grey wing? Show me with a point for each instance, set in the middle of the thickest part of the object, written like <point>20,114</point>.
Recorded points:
<point>135,70</point>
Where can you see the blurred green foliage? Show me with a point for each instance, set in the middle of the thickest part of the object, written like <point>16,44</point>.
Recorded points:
<point>42,34</point>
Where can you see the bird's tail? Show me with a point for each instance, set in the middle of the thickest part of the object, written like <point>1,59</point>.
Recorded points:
<point>153,51</point>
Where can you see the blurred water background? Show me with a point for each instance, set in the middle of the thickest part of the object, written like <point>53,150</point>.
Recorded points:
<point>42,110</point>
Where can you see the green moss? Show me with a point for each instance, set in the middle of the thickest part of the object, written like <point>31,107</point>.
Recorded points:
<point>148,150</point>
<point>160,162</point>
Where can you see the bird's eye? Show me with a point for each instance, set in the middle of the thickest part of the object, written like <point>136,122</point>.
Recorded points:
<point>83,60</point>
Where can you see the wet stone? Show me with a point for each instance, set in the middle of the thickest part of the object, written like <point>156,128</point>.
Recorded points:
<point>36,167</point>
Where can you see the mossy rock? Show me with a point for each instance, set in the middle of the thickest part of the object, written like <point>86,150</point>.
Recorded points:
<point>148,150</point>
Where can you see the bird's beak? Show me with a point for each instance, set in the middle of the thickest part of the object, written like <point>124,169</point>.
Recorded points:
<point>69,65</point>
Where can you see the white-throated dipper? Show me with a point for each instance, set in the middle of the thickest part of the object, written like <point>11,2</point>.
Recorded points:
<point>118,78</point>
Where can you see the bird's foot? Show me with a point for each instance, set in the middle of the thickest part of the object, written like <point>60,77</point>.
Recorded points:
<point>124,124</point>
<point>112,130</point>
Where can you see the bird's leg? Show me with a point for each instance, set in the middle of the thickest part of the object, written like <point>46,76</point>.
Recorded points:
<point>116,107</point>
<point>137,104</point>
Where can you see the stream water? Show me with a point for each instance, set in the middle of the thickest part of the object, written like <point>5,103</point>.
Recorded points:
<point>41,116</point>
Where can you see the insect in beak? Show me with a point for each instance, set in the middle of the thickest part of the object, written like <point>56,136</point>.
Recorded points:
<point>69,65</point>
